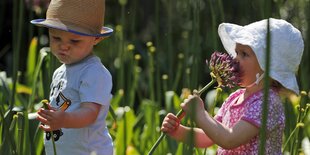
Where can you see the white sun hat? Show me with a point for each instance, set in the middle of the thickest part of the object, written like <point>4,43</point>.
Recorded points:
<point>286,47</point>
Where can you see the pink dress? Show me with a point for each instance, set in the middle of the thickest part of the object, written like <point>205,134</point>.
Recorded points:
<point>250,110</point>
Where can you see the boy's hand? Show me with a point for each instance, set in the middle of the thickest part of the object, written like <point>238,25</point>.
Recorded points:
<point>46,105</point>
<point>50,117</point>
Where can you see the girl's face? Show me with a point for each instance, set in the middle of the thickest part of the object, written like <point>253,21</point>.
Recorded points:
<point>70,48</point>
<point>249,65</point>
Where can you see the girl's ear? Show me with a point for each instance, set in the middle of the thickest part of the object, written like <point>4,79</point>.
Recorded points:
<point>98,39</point>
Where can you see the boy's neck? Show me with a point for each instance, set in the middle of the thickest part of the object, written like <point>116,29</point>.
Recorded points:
<point>84,59</point>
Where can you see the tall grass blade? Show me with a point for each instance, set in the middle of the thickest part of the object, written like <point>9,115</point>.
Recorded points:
<point>31,59</point>
<point>262,133</point>
<point>43,54</point>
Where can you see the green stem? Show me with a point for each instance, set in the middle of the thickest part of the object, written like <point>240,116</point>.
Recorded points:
<point>263,129</point>
<point>289,138</point>
<point>45,105</point>
<point>53,141</point>
<point>218,92</point>
<point>180,115</point>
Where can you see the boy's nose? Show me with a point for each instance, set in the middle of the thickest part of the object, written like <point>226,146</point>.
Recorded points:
<point>64,46</point>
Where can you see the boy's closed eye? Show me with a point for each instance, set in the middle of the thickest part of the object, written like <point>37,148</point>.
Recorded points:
<point>55,38</point>
<point>74,41</point>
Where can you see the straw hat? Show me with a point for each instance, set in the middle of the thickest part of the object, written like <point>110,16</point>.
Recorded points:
<point>82,17</point>
<point>286,47</point>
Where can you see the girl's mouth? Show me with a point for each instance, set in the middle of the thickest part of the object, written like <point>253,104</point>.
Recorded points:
<point>239,72</point>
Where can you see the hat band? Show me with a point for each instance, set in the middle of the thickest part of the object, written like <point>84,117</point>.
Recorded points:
<point>79,27</point>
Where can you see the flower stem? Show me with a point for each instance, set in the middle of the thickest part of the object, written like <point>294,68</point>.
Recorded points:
<point>181,114</point>
<point>45,105</point>
<point>290,137</point>
<point>53,141</point>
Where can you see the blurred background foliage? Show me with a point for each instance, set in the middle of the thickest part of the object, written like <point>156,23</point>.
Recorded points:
<point>156,56</point>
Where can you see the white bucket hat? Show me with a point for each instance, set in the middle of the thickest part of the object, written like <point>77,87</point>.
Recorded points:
<point>286,47</point>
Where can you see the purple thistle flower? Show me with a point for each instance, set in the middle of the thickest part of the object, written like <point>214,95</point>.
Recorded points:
<point>224,69</point>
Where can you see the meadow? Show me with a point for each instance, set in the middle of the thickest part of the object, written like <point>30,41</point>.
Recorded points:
<point>157,57</point>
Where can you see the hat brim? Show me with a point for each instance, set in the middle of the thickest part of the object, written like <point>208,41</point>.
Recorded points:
<point>287,79</point>
<point>231,34</point>
<point>105,31</point>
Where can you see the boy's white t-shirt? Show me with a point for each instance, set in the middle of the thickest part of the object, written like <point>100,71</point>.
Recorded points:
<point>85,81</point>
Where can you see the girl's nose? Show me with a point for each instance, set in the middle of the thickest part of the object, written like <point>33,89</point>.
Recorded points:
<point>236,59</point>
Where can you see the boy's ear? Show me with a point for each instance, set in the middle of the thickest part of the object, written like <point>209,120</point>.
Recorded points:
<point>98,39</point>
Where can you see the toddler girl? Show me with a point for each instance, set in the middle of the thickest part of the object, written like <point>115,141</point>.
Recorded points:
<point>235,128</point>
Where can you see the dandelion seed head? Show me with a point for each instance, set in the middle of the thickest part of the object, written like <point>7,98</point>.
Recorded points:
<point>152,49</point>
<point>149,44</point>
<point>304,93</point>
<point>137,57</point>
<point>130,47</point>
<point>164,77</point>
<point>119,28</point>
<point>180,55</point>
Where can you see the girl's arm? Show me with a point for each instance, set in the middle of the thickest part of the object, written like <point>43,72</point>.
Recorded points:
<point>227,138</point>
<point>56,119</point>
<point>171,125</point>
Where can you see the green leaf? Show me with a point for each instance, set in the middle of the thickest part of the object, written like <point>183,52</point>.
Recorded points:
<point>31,59</point>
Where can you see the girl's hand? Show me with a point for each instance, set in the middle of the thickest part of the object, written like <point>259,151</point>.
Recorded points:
<point>193,101</point>
<point>51,119</point>
<point>170,123</point>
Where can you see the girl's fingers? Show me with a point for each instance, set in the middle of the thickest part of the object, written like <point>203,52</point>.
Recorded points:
<point>172,116</point>
<point>172,119</point>
<point>170,123</point>
<point>167,127</point>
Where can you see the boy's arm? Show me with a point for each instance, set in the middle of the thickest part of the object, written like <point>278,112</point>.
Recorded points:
<point>82,117</point>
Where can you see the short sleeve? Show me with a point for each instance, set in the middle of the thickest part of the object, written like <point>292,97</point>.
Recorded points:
<point>96,85</point>
<point>219,115</point>
<point>254,112</point>
<point>226,104</point>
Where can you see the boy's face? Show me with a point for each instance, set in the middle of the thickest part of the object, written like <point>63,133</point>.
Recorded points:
<point>70,48</point>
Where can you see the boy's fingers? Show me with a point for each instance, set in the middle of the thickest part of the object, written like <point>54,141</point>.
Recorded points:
<point>42,120</point>
<point>49,106</point>
<point>45,127</point>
